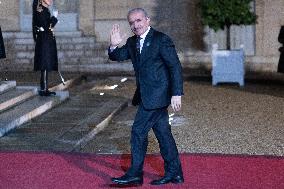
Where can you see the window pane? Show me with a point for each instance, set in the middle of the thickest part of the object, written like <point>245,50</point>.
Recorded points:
<point>66,6</point>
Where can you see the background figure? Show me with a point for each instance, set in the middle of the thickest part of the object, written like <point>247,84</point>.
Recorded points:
<point>281,49</point>
<point>159,83</point>
<point>45,59</point>
<point>2,47</point>
<point>2,50</point>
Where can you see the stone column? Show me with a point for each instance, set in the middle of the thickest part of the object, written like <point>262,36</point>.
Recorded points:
<point>267,29</point>
<point>110,12</point>
<point>106,14</point>
<point>259,10</point>
<point>9,15</point>
<point>86,17</point>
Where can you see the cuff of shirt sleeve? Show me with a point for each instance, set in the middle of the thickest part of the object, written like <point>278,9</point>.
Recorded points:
<point>112,48</point>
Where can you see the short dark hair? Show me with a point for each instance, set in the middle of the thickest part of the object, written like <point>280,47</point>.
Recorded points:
<point>137,10</point>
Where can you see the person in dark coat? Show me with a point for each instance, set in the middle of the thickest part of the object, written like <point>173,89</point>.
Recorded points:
<point>2,47</point>
<point>281,49</point>
<point>45,59</point>
<point>159,83</point>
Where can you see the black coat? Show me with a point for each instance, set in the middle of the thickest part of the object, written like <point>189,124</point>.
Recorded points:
<point>45,48</point>
<point>158,73</point>
<point>281,49</point>
<point>2,48</point>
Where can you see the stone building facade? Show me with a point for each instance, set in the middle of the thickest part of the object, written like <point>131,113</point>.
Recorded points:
<point>83,33</point>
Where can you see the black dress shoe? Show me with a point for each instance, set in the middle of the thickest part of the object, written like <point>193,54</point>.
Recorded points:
<point>46,93</point>
<point>49,93</point>
<point>167,179</point>
<point>128,180</point>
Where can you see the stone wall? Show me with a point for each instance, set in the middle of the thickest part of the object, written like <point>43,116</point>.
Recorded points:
<point>179,19</point>
<point>86,17</point>
<point>271,17</point>
<point>9,15</point>
<point>108,13</point>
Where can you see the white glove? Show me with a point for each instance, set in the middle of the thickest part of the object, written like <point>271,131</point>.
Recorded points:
<point>55,13</point>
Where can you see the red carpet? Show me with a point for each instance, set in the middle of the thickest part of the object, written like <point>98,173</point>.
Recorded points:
<point>84,171</point>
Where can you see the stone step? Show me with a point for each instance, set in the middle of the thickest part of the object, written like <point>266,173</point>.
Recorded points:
<point>82,53</point>
<point>85,60</point>
<point>79,60</point>
<point>90,66</point>
<point>16,96</point>
<point>29,34</point>
<point>103,110</point>
<point>93,60</point>
<point>6,86</point>
<point>59,40</point>
<point>114,68</point>
<point>70,126</point>
<point>66,54</point>
<point>73,50</point>
<point>24,112</point>
<point>88,52</point>
<point>66,46</point>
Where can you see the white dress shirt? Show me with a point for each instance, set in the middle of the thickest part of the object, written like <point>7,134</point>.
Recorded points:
<point>143,36</point>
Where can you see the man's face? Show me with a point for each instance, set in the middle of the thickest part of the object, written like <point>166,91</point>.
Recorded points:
<point>138,22</point>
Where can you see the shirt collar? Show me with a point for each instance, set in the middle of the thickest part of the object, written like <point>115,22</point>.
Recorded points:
<point>143,36</point>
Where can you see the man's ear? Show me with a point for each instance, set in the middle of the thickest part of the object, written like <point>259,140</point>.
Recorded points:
<point>148,19</point>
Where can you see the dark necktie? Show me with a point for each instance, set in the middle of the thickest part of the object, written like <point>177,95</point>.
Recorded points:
<point>138,47</point>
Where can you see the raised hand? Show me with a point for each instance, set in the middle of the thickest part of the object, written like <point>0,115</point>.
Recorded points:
<point>115,36</point>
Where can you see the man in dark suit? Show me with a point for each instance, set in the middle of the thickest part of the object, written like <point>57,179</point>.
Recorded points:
<point>159,83</point>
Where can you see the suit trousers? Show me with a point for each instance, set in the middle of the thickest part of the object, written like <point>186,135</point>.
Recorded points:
<point>158,120</point>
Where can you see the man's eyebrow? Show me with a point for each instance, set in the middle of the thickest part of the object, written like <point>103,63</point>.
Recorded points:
<point>138,19</point>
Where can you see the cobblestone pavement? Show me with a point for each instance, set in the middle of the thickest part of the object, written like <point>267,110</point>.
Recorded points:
<point>224,119</point>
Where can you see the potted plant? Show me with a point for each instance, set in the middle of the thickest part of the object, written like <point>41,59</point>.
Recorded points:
<point>228,64</point>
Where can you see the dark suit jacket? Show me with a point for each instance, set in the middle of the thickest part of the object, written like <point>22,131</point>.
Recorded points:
<point>158,73</point>
<point>281,49</point>
<point>2,47</point>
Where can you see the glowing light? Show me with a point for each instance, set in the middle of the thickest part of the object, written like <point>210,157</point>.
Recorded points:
<point>123,80</point>
<point>113,87</point>
<point>106,87</point>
